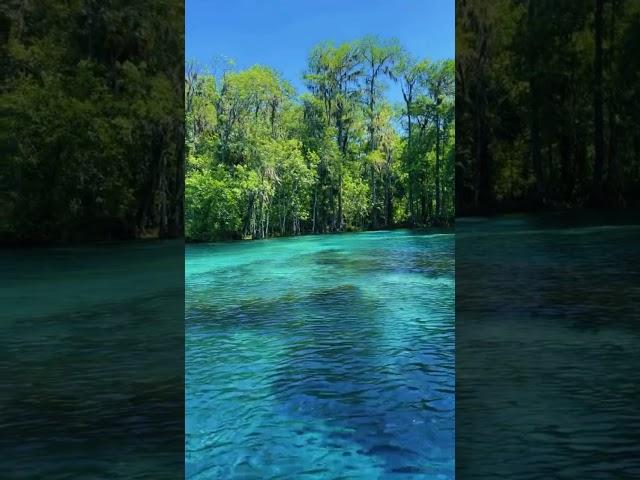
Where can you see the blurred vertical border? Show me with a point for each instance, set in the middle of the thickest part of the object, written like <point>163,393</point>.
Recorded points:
<point>547,239</point>
<point>91,227</point>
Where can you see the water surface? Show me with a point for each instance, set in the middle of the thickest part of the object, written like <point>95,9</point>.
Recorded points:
<point>92,362</point>
<point>547,358</point>
<point>321,357</point>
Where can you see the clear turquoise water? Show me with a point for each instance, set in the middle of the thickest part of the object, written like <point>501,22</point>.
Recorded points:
<point>321,357</point>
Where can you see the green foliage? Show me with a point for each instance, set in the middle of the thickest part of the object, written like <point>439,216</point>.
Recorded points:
<point>213,202</point>
<point>548,104</point>
<point>90,142</point>
<point>263,161</point>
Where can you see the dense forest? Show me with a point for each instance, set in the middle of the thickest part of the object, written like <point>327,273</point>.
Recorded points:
<point>548,104</point>
<point>92,119</point>
<point>263,160</point>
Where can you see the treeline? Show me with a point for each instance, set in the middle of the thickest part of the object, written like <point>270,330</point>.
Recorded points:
<point>263,161</point>
<point>92,119</point>
<point>548,103</point>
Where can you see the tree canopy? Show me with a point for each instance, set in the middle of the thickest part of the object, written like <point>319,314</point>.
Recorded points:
<point>264,160</point>
<point>548,104</point>
<point>91,141</point>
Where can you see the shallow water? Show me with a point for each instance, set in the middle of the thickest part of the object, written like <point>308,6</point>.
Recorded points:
<point>92,362</point>
<point>321,357</point>
<point>547,358</point>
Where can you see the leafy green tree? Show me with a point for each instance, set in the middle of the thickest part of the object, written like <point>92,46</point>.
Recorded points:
<point>263,161</point>
<point>92,136</point>
<point>540,89</point>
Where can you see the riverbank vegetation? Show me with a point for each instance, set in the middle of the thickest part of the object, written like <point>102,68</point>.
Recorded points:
<point>92,120</point>
<point>548,104</point>
<point>264,160</point>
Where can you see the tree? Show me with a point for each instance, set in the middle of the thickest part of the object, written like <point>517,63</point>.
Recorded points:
<point>264,161</point>
<point>92,138</point>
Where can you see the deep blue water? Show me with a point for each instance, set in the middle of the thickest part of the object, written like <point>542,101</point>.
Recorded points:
<point>321,357</point>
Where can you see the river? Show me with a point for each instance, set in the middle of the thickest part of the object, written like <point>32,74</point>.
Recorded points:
<point>92,361</point>
<point>547,335</point>
<point>321,357</point>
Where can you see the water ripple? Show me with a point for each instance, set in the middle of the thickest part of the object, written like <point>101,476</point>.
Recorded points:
<point>547,364</point>
<point>322,359</point>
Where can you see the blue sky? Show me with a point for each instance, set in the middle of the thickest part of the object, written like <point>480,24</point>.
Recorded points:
<point>280,33</point>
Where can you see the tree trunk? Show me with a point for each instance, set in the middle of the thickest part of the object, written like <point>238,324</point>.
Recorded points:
<point>315,203</point>
<point>614,167</point>
<point>483,195</point>
<point>598,104</point>
<point>412,212</point>
<point>340,222</point>
<point>437,179</point>
<point>565,162</point>
<point>409,158</point>
<point>177,229</point>
<point>387,191</point>
<point>374,216</point>
<point>534,121</point>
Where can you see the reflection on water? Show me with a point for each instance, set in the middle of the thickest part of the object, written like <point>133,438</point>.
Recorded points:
<point>321,358</point>
<point>547,358</point>
<point>92,362</point>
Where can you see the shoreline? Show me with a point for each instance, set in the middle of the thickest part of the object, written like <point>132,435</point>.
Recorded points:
<point>450,228</point>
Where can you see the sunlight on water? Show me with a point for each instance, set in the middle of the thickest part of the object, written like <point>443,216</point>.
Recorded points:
<point>321,357</point>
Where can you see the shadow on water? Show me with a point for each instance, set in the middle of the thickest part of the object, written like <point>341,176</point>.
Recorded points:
<point>546,360</point>
<point>334,372</point>
<point>347,378</point>
<point>92,362</point>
